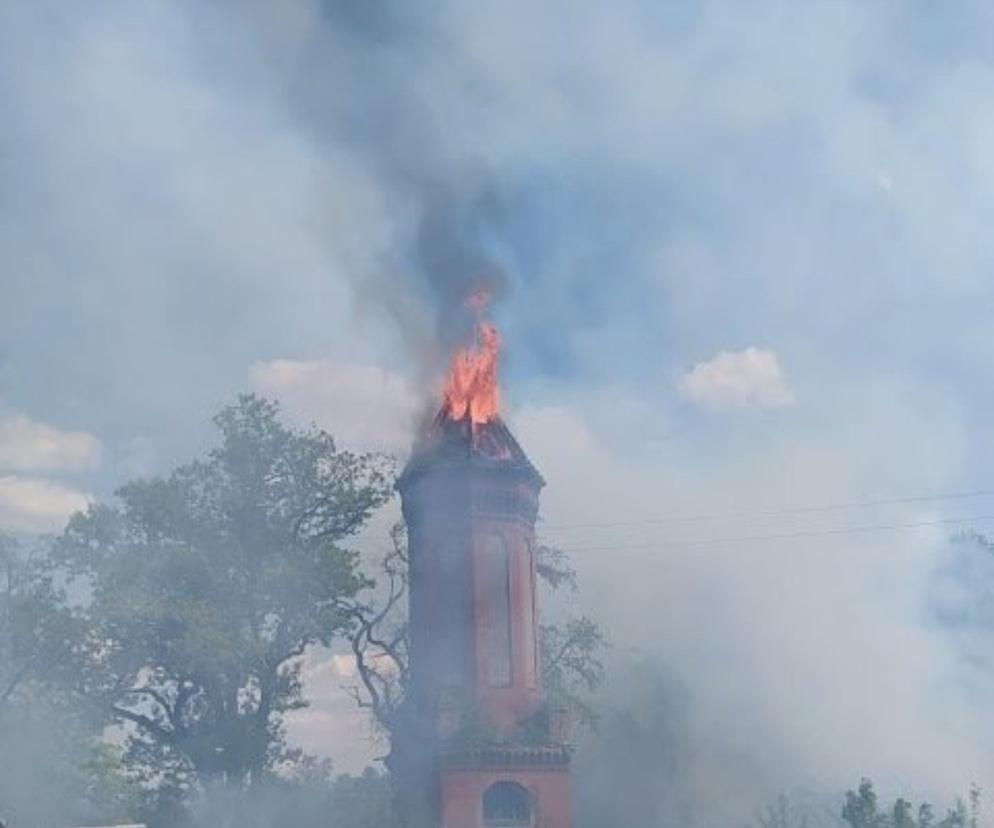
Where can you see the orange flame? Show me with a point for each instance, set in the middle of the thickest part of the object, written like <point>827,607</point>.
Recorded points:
<point>471,389</point>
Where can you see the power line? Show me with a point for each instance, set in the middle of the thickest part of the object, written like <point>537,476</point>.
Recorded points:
<point>545,529</point>
<point>800,510</point>
<point>807,533</point>
<point>774,536</point>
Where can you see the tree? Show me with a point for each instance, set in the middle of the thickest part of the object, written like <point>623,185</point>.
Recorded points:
<point>308,794</point>
<point>956,817</point>
<point>572,668</point>
<point>60,771</point>
<point>206,587</point>
<point>779,814</point>
<point>861,811</point>
<point>570,654</point>
<point>378,636</point>
<point>38,636</point>
<point>902,814</point>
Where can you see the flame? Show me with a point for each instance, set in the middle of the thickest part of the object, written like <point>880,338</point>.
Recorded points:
<point>471,389</point>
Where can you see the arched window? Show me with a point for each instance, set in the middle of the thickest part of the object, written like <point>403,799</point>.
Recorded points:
<point>507,803</point>
<point>451,646</point>
<point>496,583</point>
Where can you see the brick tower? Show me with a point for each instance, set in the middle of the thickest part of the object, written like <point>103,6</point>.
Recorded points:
<point>482,746</point>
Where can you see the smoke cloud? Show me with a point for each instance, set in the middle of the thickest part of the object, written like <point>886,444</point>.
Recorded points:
<point>201,197</point>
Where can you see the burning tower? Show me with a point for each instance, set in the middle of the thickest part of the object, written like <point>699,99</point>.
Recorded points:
<point>481,745</point>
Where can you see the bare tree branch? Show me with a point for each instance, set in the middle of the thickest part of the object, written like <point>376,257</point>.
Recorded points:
<point>143,722</point>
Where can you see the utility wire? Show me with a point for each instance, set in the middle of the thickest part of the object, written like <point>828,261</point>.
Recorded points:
<point>543,530</point>
<point>800,510</point>
<point>774,536</point>
<point>806,533</point>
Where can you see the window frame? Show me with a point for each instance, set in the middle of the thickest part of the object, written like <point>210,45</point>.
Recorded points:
<point>496,588</point>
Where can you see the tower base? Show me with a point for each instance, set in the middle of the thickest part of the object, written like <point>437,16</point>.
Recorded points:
<point>506,786</point>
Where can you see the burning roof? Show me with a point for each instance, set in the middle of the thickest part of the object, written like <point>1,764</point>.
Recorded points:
<point>489,445</point>
<point>468,428</point>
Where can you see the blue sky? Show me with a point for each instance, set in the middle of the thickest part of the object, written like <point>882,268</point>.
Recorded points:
<point>745,259</point>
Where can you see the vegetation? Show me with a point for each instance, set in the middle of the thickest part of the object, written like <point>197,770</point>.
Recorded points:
<point>570,651</point>
<point>178,616</point>
<point>40,713</point>
<point>149,656</point>
<point>150,653</point>
<point>205,589</point>
<point>861,810</point>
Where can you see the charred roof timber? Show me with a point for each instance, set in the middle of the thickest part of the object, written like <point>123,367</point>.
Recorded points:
<point>462,444</point>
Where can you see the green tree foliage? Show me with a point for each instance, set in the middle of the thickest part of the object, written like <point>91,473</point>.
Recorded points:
<point>861,810</point>
<point>54,767</point>
<point>308,794</point>
<point>205,587</point>
<point>38,633</point>
<point>571,651</point>
<point>55,770</point>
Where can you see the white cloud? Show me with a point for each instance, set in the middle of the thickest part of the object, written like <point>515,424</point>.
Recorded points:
<point>333,724</point>
<point>750,378</point>
<point>34,505</point>
<point>362,406</point>
<point>27,445</point>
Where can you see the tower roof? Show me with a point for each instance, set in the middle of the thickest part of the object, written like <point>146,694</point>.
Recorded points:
<point>452,443</point>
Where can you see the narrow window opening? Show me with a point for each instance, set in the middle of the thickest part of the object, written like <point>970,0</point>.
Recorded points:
<point>496,582</point>
<point>531,632</point>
